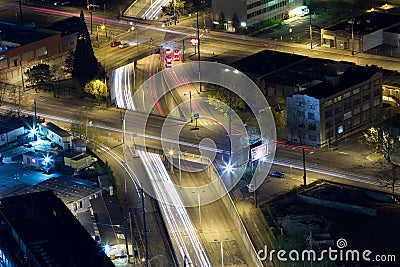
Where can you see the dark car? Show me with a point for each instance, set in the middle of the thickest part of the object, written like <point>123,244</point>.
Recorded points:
<point>115,43</point>
<point>276,174</point>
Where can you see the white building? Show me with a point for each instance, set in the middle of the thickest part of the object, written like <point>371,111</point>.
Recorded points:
<point>250,12</point>
<point>335,108</point>
<point>363,33</point>
<point>56,135</point>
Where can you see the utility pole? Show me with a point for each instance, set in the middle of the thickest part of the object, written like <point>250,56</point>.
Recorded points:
<point>310,31</point>
<point>145,230</point>
<point>198,44</point>
<point>91,22</point>
<point>304,168</point>
<point>20,12</point>
<point>131,234</point>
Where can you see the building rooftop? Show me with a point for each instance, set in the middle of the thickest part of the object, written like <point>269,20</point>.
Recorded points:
<point>50,231</point>
<point>265,62</point>
<point>66,26</point>
<point>55,129</point>
<point>68,189</point>
<point>8,124</point>
<point>13,35</point>
<point>335,84</point>
<point>108,216</point>
<point>367,23</point>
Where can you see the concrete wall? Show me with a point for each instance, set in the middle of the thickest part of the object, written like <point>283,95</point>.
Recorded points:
<point>337,205</point>
<point>391,38</point>
<point>372,40</point>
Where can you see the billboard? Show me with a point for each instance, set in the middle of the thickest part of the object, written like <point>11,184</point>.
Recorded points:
<point>259,152</point>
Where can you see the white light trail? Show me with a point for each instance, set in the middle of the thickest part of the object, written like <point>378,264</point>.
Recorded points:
<point>154,9</point>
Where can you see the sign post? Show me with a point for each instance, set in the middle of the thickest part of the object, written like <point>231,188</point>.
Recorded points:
<point>196,117</point>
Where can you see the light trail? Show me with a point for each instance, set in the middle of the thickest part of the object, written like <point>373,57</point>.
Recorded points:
<point>154,9</point>
<point>176,215</point>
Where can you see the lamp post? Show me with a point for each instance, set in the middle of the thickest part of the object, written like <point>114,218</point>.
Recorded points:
<point>190,105</point>
<point>352,35</point>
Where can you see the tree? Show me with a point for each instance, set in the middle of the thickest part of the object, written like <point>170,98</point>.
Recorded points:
<point>383,134</point>
<point>235,22</point>
<point>69,63</point>
<point>389,177</point>
<point>78,124</point>
<point>86,66</point>
<point>222,20</point>
<point>226,97</point>
<point>39,74</point>
<point>96,88</point>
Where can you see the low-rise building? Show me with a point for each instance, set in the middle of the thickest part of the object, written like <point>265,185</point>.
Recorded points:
<point>75,193</point>
<point>250,12</point>
<point>112,230</point>
<point>79,160</point>
<point>56,135</point>
<point>339,106</point>
<point>21,45</point>
<point>12,128</point>
<point>38,230</point>
<point>363,33</point>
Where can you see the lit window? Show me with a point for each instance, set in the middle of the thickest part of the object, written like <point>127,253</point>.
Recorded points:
<point>340,129</point>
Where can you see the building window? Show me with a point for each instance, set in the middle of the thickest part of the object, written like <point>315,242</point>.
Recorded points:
<point>377,102</point>
<point>311,116</point>
<point>328,113</point>
<point>311,106</point>
<point>347,115</point>
<point>347,105</point>
<point>356,101</point>
<point>328,124</point>
<point>301,104</point>
<point>366,97</point>
<point>346,95</point>
<point>337,99</point>
<point>365,107</point>
<point>377,92</point>
<point>328,103</point>
<point>312,126</point>
<point>300,114</point>
<point>356,91</point>
<point>340,129</point>
<point>312,137</point>
<point>356,121</point>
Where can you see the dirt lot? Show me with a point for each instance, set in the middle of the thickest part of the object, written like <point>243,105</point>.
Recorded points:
<point>294,219</point>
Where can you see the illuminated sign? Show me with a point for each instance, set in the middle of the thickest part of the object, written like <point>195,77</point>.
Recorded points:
<point>259,152</point>
<point>194,41</point>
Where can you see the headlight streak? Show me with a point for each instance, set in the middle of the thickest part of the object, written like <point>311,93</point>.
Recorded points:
<point>162,186</point>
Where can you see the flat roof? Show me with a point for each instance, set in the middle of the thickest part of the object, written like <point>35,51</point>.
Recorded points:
<point>55,129</point>
<point>66,26</point>
<point>68,189</point>
<point>22,35</point>
<point>51,232</point>
<point>266,61</point>
<point>8,124</point>
<point>349,78</point>
<point>366,23</point>
<point>108,216</point>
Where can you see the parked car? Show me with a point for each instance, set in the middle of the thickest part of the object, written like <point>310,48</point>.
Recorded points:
<point>115,43</point>
<point>276,174</point>
<point>123,45</point>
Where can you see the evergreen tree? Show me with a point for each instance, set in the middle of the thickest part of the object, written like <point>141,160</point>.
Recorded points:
<point>86,65</point>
